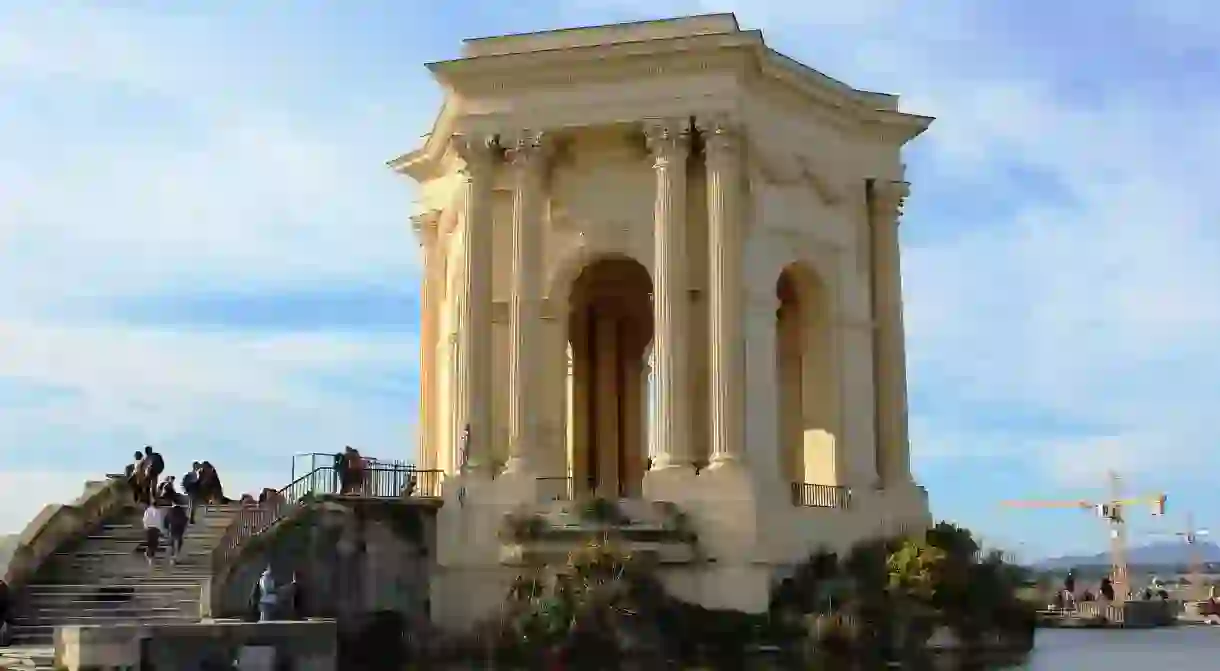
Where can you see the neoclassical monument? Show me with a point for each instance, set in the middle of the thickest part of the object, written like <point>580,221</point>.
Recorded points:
<point>662,264</point>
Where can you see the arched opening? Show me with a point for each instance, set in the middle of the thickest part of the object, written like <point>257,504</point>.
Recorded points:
<point>808,379</point>
<point>609,330</point>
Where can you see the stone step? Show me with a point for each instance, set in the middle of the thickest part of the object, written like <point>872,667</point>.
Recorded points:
<point>63,615</point>
<point>45,609</point>
<point>149,578</point>
<point>131,550</point>
<point>104,578</point>
<point>34,634</point>
<point>27,658</point>
<point>69,589</point>
<point>94,542</point>
<point>129,561</point>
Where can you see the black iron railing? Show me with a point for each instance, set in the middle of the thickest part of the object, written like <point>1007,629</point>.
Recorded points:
<point>809,495</point>
<point>555,489</point>
<point>378,482</point>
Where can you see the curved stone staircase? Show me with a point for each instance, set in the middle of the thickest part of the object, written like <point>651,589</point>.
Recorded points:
<point>104,578</point>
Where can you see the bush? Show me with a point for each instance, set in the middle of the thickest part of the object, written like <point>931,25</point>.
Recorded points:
<point>881,602</point>
<point>890,595</point>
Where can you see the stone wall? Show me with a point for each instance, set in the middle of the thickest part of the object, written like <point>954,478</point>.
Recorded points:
<point>351,558</point>
<point>58,525</point>
<point>308,646</point>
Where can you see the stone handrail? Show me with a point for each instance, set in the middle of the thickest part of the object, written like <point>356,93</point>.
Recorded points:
<point>59,524</point>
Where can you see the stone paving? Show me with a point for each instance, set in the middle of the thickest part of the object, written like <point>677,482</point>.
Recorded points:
<point>26,657</point>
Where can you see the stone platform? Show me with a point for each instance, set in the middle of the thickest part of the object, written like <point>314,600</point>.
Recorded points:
<point>309,646</point>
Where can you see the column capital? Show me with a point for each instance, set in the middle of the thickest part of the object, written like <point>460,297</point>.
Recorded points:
<point>425,226</point>
<point>527,148</point>
<point>668,140</point>
<point>479,152</point>
<point>888,198</point>
<point>721,134</point>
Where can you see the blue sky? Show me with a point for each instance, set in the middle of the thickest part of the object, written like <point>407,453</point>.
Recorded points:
<point>201,249</point>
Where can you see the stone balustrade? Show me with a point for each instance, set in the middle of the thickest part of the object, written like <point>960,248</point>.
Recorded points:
<point>59,524</point>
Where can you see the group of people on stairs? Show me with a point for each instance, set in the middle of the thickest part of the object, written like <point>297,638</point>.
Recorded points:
<point>200,485</point>
<point>167,512</point>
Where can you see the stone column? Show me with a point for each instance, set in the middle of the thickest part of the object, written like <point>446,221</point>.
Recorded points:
<point>429,331</point>
<point>669,143</point>
<point>889,340</point>
<point>472,399</point>
<point>607,406</point>
<point>524,356</point>
<point>725,247</point>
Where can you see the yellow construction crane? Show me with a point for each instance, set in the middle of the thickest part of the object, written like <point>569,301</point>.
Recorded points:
<point>1111,511</point>
<point>1191,535</point>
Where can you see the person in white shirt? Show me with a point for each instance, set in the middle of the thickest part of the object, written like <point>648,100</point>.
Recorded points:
<point>267,593</point>
<point>154,522</point>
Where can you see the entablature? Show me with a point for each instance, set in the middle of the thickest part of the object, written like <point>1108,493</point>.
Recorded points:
<point>554,82</point>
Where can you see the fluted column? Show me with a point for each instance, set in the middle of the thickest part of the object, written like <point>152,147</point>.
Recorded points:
<point>526,154</point>
<point>721,151</point>
<point>472,400</point>
<point>669,142</point>
<point>889,340</point>
<point>425,225</point>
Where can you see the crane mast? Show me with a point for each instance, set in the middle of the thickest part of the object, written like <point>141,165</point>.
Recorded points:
<point>1112,511</point>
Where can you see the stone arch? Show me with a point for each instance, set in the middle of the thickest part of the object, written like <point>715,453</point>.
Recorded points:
<point>807,373</point>
<point>573,260</point>
<point>352,557</point>
<point>608,326</point>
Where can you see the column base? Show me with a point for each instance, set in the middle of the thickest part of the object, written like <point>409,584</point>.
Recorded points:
<point>516,485</point>
<point>672,482</point>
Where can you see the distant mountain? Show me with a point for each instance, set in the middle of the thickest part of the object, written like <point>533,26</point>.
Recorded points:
<point>1159,554</point>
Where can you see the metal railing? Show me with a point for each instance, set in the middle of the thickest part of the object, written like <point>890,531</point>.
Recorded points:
<point>312,461</point>
<point>809,495</point>
<point>380,482</point>
<point>556,489</point>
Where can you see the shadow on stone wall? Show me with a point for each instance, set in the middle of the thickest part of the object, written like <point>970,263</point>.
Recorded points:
<point>365,563</point>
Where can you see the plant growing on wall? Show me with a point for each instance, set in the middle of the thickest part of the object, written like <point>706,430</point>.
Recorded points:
<point>604,512</point>
<point>520,527</point>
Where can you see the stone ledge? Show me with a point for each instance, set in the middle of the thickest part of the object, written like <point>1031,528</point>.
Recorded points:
<point>58,524</point>
<point>184,646</point>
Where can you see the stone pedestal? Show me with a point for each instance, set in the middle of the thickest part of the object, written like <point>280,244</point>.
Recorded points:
<point>469,583</point>
<point>676,484</point>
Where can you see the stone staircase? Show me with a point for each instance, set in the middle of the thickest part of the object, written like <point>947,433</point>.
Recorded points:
<point>105,578</point>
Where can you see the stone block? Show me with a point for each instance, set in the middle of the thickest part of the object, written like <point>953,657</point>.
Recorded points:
<point>193,647</point>
<point>78,648</point>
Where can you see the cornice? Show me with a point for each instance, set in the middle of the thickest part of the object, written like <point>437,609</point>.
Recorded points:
<point>459,72</point>
<point>730,52</point>
<point>421,164</point>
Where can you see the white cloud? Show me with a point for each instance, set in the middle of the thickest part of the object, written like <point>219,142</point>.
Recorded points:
<point>212,171</point>
<point>271,395</point>
<point>24,493</point>
<point>143,158</point>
